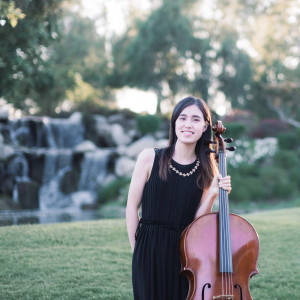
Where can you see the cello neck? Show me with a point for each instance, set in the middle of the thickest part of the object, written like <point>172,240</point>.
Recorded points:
<point>224,224</point>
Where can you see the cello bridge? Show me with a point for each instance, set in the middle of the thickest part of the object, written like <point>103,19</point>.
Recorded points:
<point>224,297</point>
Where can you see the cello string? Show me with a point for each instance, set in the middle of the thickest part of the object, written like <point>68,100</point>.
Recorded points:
<point>227,226</point>
<point>228,255</point>
<point>221,212</point>
<point>221,240</point>
<point>223,248</point>
<point>221,234</point>
<point>222,244</point>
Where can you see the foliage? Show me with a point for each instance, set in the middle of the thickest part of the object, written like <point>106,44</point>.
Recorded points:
<point>236,129</point>
<point>24,72</point>
<point>81,51</point>
<point>289,140</point>
<point>50,52</point>
<point>269,128</point>
<point>9,11</point>
<point>113,190</point>
<point>156,53</point>
<point>236,75</point>
<point>270,177</point>
<point>148,123</point>
<point>92,260</point>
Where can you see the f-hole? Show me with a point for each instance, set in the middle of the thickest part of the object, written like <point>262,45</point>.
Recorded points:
<point>208,285</point>
<point>241,293</point>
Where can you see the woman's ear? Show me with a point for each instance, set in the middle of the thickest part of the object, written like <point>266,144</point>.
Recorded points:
<point>205,127</point>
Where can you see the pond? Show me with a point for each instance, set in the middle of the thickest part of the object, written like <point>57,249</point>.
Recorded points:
<point>20,217</point>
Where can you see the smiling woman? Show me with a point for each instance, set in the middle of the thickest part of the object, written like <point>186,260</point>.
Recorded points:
<point>174,185</point>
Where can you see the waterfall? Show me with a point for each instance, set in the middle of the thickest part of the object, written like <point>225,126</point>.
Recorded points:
<point>93,169</point>
<point>60,161</point>
<point>48,166</point>
<point>64,133</point>
<point>93,172</point>
<point>46,132</point>
<point>57,162</point>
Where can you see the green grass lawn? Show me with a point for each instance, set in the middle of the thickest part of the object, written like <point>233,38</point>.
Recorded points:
<point>92,260</point>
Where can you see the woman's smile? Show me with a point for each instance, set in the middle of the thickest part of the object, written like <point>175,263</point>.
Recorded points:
<point>190,125</point>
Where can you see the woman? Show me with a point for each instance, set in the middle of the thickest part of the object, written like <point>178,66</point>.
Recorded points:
<point>175,185</point>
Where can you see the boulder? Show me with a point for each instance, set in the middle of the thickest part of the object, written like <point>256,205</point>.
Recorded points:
<point>137,147</point>
<point>103,133</point>
<point>4,113</point>
<point>69,182</point>
<point>119,136</point>
<point>124,166</point>
<point>36,163</point>
<point>6,152</point>
<point>85,146</point>
<point>162,143</point>
<point>28,194</point>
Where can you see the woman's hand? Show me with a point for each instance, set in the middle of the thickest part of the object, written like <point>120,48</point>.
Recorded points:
<point>220,182</point>
<point>209,195</point>
<point>225,183</point>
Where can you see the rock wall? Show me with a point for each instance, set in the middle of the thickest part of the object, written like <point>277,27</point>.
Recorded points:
<point>48,163</point>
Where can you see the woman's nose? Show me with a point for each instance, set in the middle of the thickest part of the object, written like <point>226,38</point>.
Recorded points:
<point>187,123</point>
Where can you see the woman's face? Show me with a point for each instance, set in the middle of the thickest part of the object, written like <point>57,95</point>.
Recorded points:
<point>190,125</point>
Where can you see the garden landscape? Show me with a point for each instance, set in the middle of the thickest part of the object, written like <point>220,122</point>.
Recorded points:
<point>68,147</point>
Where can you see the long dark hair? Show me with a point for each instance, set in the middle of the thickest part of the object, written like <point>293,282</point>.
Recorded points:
<point>207,168</point>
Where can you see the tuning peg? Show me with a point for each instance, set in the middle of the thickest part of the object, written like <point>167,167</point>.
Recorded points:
<point>209,142</point>
<point>208,151</point>
<point>231,148</point>
<point>228,140</point>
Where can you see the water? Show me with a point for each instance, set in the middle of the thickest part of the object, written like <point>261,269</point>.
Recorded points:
<point>8,218</point>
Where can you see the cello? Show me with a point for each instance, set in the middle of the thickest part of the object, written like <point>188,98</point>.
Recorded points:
<point>219,251</point>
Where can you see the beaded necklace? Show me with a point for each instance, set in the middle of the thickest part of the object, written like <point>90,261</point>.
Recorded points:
<point>185,174</point>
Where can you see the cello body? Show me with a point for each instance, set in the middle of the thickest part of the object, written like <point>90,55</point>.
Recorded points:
<point>219,251</point>
<point>202,266</point>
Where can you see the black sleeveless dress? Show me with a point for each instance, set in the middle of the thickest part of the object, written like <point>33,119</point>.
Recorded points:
<point>167,208</point>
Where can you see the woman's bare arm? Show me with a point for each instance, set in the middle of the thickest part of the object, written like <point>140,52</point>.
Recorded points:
<point>139,178</point>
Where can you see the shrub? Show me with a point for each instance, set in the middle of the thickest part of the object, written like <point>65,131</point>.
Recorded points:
<point>113,190</point>
<point>269,128</point>
<point>235,130</point>
<point>148,123</point>
<point>289,140</point>
<point>247,188</point>
<point>278,183</point>
<point>286,159</point>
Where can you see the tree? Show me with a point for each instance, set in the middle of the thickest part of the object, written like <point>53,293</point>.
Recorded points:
<point>278,65</point>
<point>48,53</point>
<point>22,69</point>
<point>270,32</point>
<point>236,76</point>
<point>81,56</point>
<point>156,53</point>
<point>10,13</point>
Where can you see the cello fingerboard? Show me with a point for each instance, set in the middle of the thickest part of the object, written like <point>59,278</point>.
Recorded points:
<point>224,224</point>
